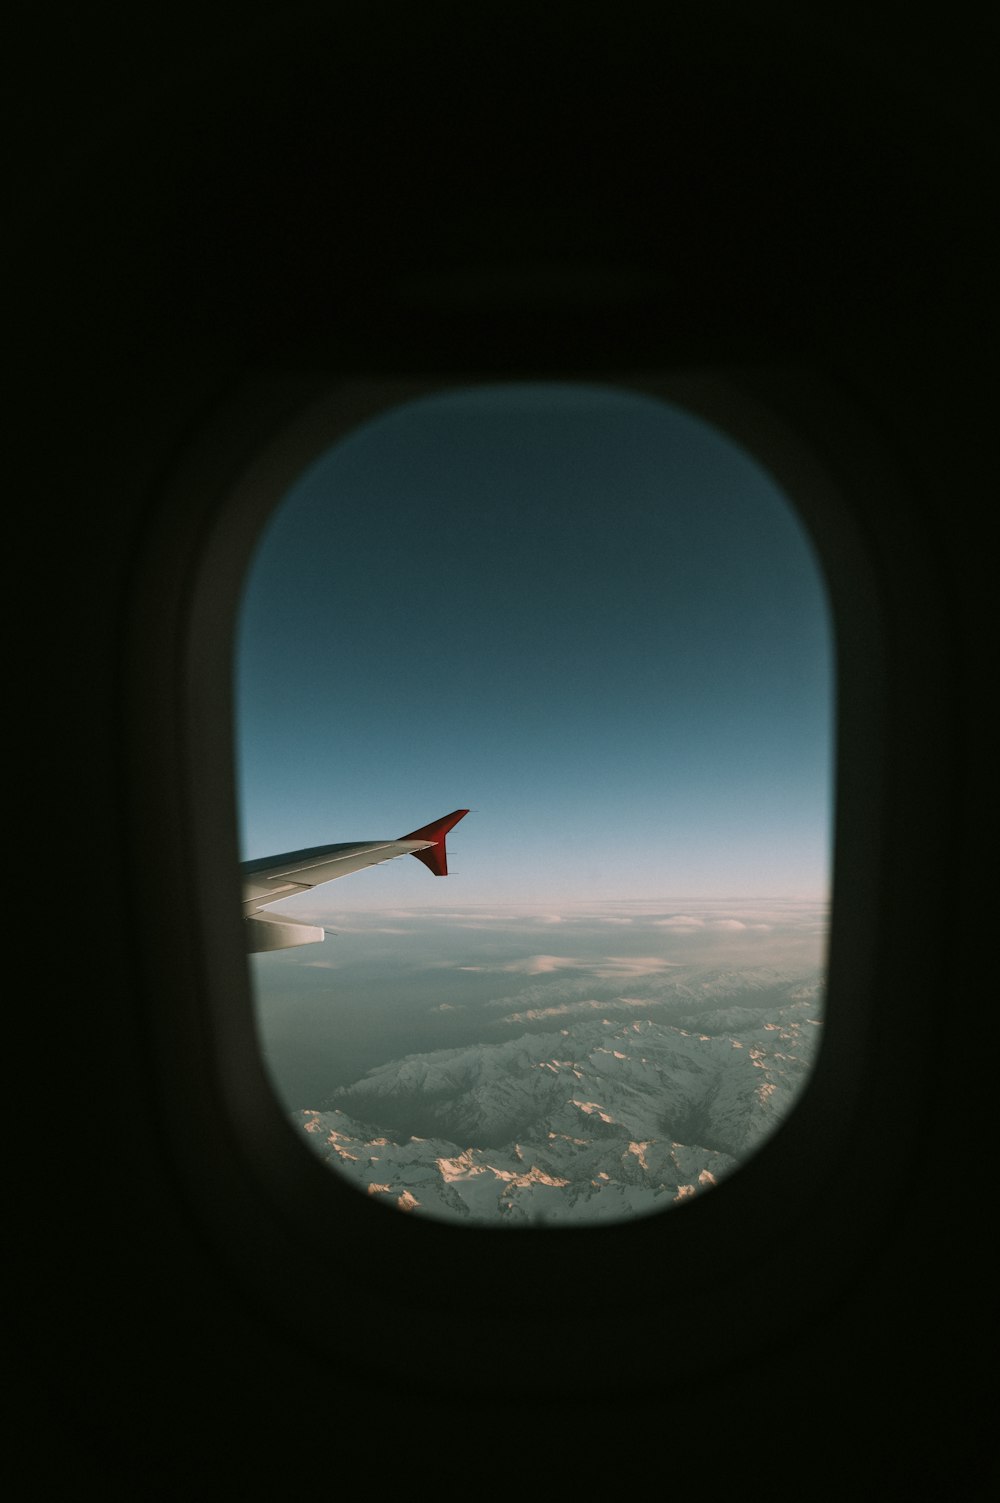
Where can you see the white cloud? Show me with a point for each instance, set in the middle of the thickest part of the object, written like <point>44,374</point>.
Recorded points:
<point>575,1009</point>
<point>688,923</point>
<point>605,966</point>
<point>633,965</point>
<point>540,965</point>
<point>365,929</point>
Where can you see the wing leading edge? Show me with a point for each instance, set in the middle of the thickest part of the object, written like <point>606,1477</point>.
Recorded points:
<point>270,878</point>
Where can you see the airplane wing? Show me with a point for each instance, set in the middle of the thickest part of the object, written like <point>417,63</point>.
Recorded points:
<point>270,878</point>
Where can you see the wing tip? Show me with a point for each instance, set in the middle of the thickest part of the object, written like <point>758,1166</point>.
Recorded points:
<point>435,855</point>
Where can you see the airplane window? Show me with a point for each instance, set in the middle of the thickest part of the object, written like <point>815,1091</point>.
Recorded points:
<point>595,622</point>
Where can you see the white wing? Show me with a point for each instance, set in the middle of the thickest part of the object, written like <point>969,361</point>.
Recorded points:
<point>270,878</point>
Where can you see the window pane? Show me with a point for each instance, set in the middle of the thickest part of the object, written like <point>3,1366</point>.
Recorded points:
<point>595,621</point>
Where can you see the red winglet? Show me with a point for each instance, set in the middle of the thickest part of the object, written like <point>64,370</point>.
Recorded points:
<point>435,856</point>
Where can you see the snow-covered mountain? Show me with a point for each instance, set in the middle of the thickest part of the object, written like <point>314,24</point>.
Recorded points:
<point>604,1119</point>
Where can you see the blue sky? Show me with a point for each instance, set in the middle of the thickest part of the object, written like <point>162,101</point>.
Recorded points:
<point>582,613</point>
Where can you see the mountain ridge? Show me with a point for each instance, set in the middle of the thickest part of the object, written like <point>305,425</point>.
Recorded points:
<point>606,1118</point>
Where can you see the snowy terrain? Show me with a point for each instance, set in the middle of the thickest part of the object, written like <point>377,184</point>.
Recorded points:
<point>609,1117</point>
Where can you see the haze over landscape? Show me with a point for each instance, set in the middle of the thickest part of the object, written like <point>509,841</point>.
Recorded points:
<point>596,622</point>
